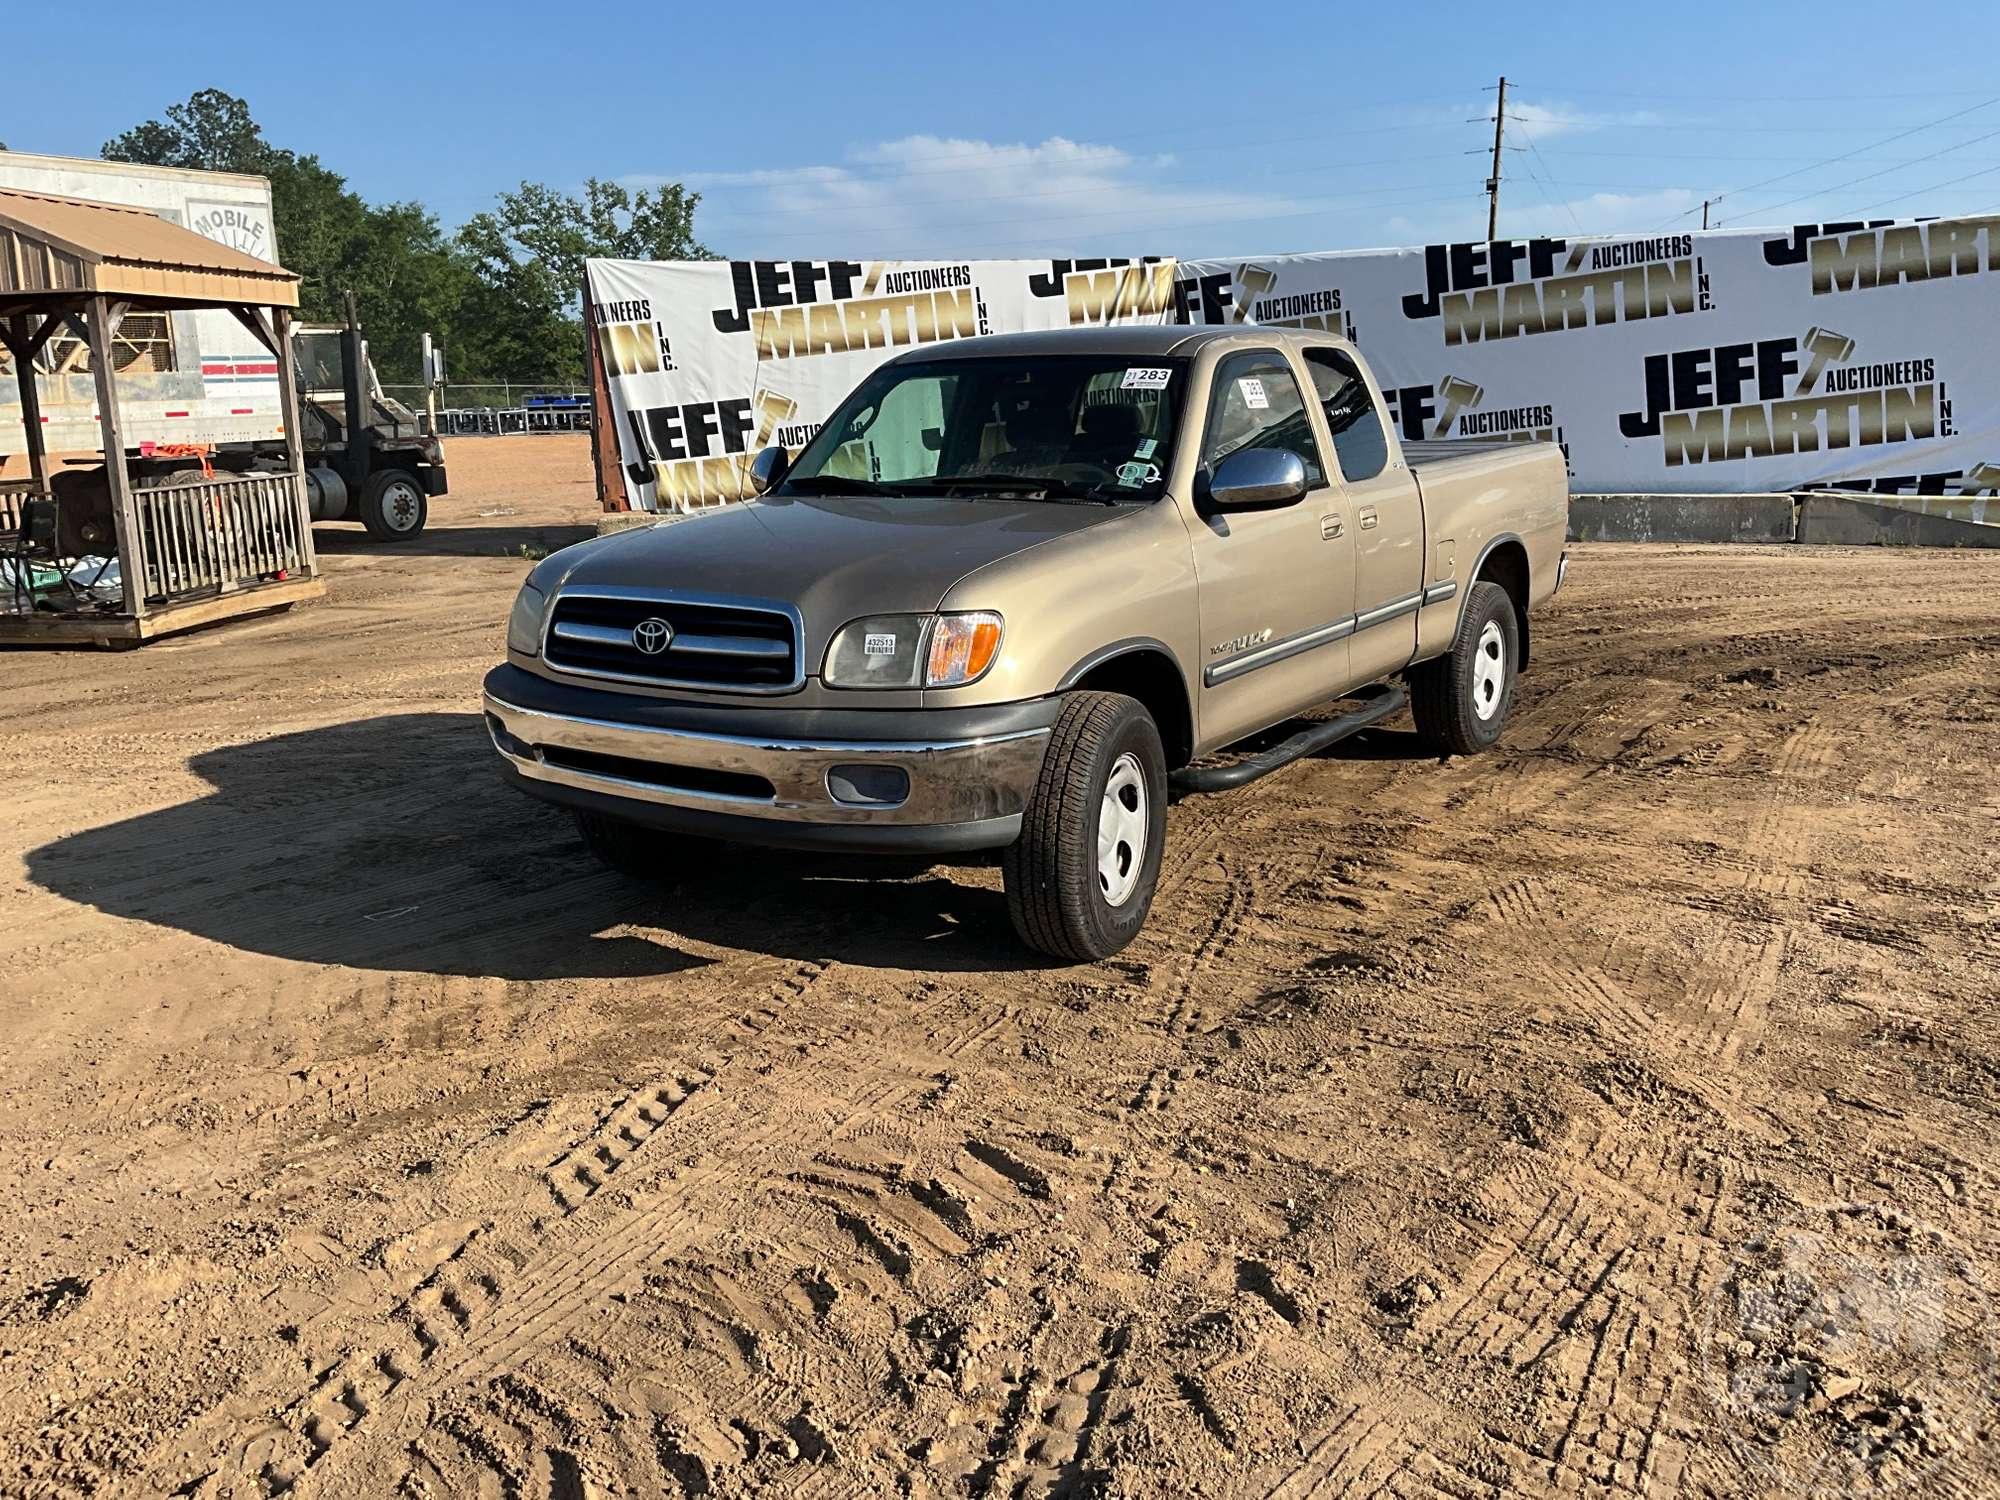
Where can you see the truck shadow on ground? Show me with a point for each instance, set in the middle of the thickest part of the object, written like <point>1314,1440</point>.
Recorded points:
<point>391,843</point>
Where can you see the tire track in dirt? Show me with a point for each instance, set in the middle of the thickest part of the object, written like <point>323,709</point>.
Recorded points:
<point>473,1322</point>
<point>493,1268</point>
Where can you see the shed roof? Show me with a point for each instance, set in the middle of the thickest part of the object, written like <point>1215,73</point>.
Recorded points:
<point>53,248</point>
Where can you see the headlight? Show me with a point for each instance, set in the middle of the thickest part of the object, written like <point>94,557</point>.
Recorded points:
<point>524,620</point>
<point>907,651</point>
<point>879,651</point>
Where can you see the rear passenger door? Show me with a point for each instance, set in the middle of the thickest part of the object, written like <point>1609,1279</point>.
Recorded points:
<point>1385,512</point>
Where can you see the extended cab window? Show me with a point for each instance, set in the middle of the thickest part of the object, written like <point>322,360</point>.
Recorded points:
<point>1358,440</point>
<point>1256,404</point>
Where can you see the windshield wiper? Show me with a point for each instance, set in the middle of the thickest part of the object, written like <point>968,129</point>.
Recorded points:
<point>1026,484</point>
<point>838,484</point>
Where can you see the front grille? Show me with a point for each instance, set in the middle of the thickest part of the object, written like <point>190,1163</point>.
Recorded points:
<point>730,645</point>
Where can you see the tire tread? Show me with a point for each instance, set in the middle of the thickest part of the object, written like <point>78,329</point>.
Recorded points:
<point>1049,903</point>
<point>1441,688</point>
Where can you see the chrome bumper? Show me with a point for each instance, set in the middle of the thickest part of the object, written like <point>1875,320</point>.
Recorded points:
<point>950,781</point>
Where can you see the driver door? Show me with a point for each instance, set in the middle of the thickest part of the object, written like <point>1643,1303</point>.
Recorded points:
<point>1276,586</point>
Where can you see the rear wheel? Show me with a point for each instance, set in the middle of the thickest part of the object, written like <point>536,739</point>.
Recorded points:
<point>394,506</point>
<point>1461,701</point>
<point>1080,878</point>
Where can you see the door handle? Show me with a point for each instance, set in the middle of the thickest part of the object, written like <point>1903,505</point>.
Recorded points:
<point>1367,514</point>
<point>1329,528</point>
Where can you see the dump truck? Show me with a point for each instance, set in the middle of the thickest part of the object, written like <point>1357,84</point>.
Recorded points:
<point>199,394</point>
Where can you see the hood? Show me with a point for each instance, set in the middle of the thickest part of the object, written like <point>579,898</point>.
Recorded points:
<point>834,557</point>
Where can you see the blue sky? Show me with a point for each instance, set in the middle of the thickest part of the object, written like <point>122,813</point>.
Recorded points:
<point>1036,128</point>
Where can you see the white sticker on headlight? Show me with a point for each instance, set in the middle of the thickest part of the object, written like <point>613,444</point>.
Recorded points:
<point>879,644</point>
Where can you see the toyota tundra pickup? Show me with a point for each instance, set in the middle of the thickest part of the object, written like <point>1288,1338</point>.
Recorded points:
<point>1017,593</point>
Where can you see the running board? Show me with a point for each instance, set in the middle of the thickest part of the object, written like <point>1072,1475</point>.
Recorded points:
<point>1391,700</point>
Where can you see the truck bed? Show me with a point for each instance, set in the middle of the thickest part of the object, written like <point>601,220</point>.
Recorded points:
<point>1431,452</point>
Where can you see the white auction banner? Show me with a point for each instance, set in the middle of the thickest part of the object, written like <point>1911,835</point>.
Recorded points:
<point>706,362</point>
<point>1854,355</point>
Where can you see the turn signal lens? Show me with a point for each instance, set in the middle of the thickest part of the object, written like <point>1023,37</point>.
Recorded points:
<point>962,648</point>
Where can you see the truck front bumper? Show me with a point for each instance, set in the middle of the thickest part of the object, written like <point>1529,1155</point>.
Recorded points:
<point>943,781</point>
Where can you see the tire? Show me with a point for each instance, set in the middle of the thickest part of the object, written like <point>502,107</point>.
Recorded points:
<point>631,849</point>
<point>1063,902</point>
<point>394,506</point>
<point>1461,701</point>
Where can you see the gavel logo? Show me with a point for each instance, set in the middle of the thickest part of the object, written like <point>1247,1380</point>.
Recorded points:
<point>1455,396</point>
<point>1822,347</point>
<point>1252,282</point>
<point>1981,479</point>
<point>774,409</point>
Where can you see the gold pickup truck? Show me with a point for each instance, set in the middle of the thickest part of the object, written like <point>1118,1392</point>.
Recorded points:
<point>1016,594</point>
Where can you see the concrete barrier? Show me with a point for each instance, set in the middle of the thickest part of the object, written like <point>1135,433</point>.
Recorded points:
<point>1843,520</point>
<point>1681,518</point>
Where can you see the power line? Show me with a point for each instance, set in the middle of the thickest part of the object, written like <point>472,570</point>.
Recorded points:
<point>1903,161</point>
<point>1536,155</point>
<point>1758,97</point>
<point>1829,161</point>
<point>1869,177</point>
<point>1949,182</point>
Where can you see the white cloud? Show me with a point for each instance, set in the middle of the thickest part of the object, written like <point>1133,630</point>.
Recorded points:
<point>1529,122</point>
<point>1540,122</point>
<point>928,194</point>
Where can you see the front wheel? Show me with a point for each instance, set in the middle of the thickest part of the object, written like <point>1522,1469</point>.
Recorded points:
<point>1080,878</point>
<point>394,506</point>
<point>1461,700</point>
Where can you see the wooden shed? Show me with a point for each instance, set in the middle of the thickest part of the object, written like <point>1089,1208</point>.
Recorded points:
<point>209,542</point>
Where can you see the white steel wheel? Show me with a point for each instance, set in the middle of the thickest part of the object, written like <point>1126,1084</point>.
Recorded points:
<point>1461,700</point>
<point>402,505</point>
<point>1123,829</point>
<point>1081,876</point>
<point>1489,671</point>
<point>393,505</point>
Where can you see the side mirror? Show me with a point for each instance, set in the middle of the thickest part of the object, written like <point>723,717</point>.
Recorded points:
<point>1257,478</point>
<point>768,468</point>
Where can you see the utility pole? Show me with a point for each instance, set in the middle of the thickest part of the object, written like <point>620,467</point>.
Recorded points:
<point>1493,182</point>
<point>1704,211</point>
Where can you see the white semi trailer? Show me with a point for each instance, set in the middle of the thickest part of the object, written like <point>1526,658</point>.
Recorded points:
<point>197,387</point>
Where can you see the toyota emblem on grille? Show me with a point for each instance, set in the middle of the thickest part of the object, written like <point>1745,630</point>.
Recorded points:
<point>652,635</point>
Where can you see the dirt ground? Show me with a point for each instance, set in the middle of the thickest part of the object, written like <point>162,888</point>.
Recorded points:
<point>1613,1112</point>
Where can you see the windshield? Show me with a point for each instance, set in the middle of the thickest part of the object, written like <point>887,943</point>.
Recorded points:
<point>320,365</point>
<point>1055,427</point>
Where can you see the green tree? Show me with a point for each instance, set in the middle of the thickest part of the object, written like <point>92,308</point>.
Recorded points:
<point>502,293</point>
<point>406,275</point>
<point>527,255</point>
